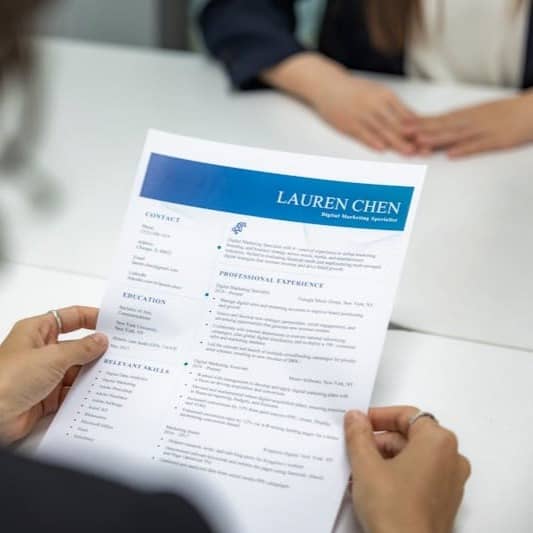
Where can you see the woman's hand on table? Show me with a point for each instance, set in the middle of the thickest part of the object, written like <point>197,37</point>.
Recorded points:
<point>363,109</point>
<point>482,128</point>
<point>37,371</point>
<point>406,478</point>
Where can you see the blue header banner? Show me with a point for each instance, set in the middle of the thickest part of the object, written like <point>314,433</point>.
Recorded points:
<point>276,196</point>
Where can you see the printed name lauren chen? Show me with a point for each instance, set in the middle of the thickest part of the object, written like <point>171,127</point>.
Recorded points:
<point>333,203</point>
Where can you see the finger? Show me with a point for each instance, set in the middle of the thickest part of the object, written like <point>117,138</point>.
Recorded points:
<point>80,352</point>
<point>35,331</point>
<point>423,150</point>
<point>362,449</point>
<point>63,394</point>
<point>424,125</point>
<point>390,443</point>
<point>51,402</point>
<point>473,146</point>
<point>23,425</point>
<point>401,111</point>
<point>34,415</point>
<point>390,130</point>
<point>370,138</point>
<point>465,469</point>
<point>71,375</point>
<point>446,137</point>
<point>440,131</point>
<point>76,317</point>
<point>392,418</point>
<point>429,125</point>
<point>398,143</point>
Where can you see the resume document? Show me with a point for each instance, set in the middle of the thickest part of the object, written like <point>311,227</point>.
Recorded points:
<point>246,312</point>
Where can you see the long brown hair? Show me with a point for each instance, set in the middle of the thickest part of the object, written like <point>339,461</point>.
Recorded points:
<point>16,19</point>
<point>390,22</point>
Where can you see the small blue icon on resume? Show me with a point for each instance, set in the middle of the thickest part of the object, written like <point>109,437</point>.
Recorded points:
<point>238,228</point>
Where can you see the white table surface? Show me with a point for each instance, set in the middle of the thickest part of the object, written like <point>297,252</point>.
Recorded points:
<point>482,392</point>
<point>468,272</point>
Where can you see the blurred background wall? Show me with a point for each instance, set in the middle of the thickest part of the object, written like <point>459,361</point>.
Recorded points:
<point>128,22</point>
<point>157,23</point>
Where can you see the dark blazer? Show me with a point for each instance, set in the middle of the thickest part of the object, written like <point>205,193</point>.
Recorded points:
<point>43,499</point>
<point>249,36</point>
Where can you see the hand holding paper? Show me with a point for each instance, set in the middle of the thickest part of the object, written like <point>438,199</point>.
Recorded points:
<point>246,313</point>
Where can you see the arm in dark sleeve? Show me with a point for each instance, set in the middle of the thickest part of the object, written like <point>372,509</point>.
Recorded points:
<point>37,497</point>
<point>249,36</point>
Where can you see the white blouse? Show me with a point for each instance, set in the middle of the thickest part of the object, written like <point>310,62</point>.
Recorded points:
<point>471,41</point>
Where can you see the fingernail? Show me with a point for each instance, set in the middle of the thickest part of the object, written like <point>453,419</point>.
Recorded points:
<point>100,338</point>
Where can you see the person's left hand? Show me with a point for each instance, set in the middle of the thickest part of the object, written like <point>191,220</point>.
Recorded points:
<point>487,127</point>
<point>37,371</point>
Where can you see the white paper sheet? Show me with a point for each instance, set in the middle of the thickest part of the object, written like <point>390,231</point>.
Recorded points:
<point>246,313</point>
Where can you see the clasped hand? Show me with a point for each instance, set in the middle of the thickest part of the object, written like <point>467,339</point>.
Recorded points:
<point>375,116</point>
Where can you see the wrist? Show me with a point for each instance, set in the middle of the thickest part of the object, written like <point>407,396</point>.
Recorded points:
<point>9,426</point>
<point>4,408</point>
<point>406,529</point>
<point>307,76</point>
<point>410,524</point>
<point>526,101</point>
<point>6,417</point>
<point>5,437</point>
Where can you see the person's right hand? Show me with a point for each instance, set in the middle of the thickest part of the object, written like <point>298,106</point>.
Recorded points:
<point>367,111</point>
<point>363,109</point>
<point>406,479</point>
<point>37,370</point>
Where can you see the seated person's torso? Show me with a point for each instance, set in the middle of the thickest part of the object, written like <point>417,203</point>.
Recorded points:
<point>479,41</point>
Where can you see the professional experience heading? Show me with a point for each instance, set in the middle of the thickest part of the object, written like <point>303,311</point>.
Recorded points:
<point>270,279</point>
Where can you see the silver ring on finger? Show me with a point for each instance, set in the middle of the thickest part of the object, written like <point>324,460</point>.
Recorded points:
<point>58,320</point>
<point>422,414</point>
